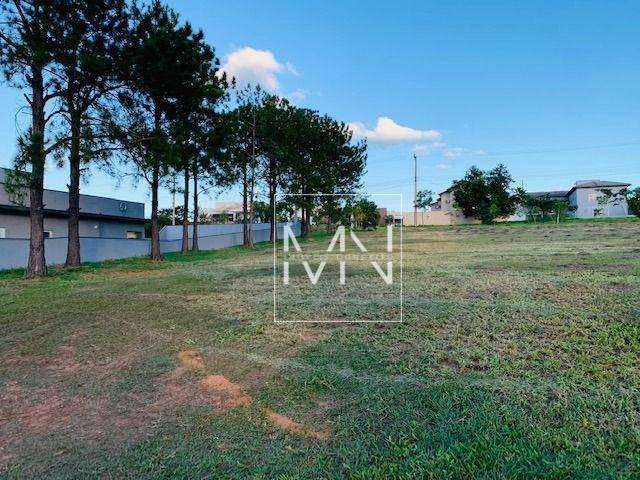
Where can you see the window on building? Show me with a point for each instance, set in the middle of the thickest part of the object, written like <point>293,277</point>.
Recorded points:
<point>3,232</point>
<point>48,234</point>
<point>132,235</point>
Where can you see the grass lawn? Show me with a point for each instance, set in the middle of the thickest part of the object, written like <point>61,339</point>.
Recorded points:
<point>519,357</point>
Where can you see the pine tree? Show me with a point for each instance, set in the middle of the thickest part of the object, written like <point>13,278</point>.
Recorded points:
<point>27,40</point>
<point>87,49</point>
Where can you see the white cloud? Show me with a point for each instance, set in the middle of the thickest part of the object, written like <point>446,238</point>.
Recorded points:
<point>358,129</point>
<point>428,147</point>
<point>443,166</point>
<point>292,69</point>
<point>257,67</point>
<point>388,131</point>
<point>453,152</point>
<point>297,95</point>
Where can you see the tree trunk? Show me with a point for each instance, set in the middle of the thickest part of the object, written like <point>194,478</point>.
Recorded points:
<point>73,229</point>
<point>303,224</point>
<point>250,206</point>
<point>252,181</point>
<point>245,213</point>
<point>185,216</point>
<point>273,234</point>
<point>307,222</point>
<point>329,226</point>
<point>156,255</point>
<point>155,230</point>
<point>196,213</point>
<point>36,266</point>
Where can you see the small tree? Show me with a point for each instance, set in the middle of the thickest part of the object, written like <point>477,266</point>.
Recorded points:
<point>541,206</point>
<point>634,202</point>
<point>365,213</point>
<point>608,198</point>
<point>423,199</point>
<point>561,208</point>
<point>262,211</point>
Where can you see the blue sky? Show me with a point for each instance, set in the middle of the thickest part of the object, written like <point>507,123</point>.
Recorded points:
<point>551,89</point>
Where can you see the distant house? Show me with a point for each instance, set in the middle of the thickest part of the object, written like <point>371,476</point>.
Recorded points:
<point>442,212</point>
<point>589,199</point>
<point>99,216</point>
<point>223,212</point>
<point>445,201</point>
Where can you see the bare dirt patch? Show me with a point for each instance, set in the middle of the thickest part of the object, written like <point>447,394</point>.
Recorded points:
<point>191,359</point>
<point>295,428</point>
<point>222,394</point>
<point>41,411</point>
<point>226,394</point>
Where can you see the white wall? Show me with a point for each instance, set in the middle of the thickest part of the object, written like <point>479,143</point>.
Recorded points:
<point>586,201</point>
<point>14,253</point>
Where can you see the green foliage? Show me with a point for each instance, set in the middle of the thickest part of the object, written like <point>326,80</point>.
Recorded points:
<point>544,206</point>
<point>365,213</point>
<point>262,211</point>
<point>424,199</point>
<point>561,208</point>
<point>486,195</point>
<point>610,198</point>
<point>634,202</point>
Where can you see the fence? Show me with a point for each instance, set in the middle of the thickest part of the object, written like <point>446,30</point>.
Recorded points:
<point>14,252</point>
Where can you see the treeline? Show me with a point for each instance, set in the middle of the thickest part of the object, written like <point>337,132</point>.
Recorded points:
<point>109,83</point>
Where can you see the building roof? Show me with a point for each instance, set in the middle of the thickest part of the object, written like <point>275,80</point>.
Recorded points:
<point>552,194</point>
<point>56,203</point>
<point>223,207</point>
<point>597,184</point>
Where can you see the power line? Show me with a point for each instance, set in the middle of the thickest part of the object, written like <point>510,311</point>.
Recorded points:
<point>482,153</point>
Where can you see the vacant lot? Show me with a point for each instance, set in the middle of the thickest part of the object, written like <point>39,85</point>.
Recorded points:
<point>518,358</point>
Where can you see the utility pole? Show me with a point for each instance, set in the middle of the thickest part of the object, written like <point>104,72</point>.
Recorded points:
<point>415,190</point>
<point>173,193</point>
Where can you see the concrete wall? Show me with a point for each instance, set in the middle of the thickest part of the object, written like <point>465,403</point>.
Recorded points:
<point>434,217</point>
<point>17,226</point>
<point>219,236</point>
<point>174,232</point>
<point>15,252</point>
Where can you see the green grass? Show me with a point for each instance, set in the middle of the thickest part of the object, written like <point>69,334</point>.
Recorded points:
<point>518,358</point>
